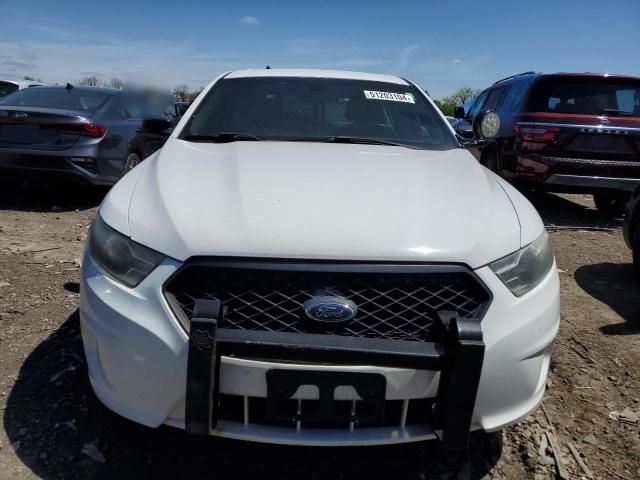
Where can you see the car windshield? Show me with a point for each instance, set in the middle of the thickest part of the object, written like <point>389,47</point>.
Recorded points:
<point>319,109</point>
<point>587,96</point>
<point>66,99</point>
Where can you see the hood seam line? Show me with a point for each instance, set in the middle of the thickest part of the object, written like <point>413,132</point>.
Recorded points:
<point>515,210</point>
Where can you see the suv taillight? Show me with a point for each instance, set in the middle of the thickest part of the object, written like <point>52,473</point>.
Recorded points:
<point>537,134</point>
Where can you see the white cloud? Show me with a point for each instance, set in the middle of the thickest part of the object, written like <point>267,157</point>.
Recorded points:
<point>165,64</point>
<point>146,63</point>
<point>405,56</point>
<point>249,20</point>
<point>441,75</point>
<point>347,53</point>
<point>58,52</point>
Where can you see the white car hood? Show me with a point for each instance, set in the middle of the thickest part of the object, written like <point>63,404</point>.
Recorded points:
<point>321,201</point>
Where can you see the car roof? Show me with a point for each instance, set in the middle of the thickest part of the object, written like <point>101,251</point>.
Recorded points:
<point>513,77</point>
<point>563,74</point>
<point>23,83</point>
<point>588,74</point>
<point>315,73</point>
<point>82,88</point>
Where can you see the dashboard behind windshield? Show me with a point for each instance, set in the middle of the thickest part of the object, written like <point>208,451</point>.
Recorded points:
<point>316,109</point>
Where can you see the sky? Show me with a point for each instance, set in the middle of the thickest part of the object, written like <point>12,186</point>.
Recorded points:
<point>441,45</point>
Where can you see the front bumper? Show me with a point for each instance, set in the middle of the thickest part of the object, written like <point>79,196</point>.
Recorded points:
<point>458,359</point>
<point>138,354</point>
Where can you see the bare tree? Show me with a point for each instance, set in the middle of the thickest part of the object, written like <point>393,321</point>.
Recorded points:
<point>92,81</point>
<point>181,92</point>
<point>193,95</point>
<point>27,77</point>
<point>117,83</point>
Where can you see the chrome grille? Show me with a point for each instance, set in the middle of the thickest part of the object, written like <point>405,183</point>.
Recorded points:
<point>395,302</point>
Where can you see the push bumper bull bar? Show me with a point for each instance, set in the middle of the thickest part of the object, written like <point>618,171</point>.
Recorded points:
<point>458,359</point>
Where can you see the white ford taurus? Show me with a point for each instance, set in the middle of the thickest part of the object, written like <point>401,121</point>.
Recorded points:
<point>313,258</point>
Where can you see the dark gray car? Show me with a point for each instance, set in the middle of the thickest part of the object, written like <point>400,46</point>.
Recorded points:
<point>71,132</point>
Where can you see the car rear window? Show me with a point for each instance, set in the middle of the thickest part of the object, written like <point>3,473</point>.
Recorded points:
<point>62,98</point>
<point>586,96</point>
<point>6,88</point>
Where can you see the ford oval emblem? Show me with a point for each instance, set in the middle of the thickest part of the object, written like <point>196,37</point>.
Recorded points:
<point>330,309</point>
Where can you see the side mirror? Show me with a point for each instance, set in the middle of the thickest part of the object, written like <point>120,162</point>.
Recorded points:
<point>155,125</point>
<point>458,112</point>
<point>466,133</point>
<point>486,125</point>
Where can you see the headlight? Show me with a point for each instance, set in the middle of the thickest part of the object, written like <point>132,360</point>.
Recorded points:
<point>523,270</point>
<point>122,258</point>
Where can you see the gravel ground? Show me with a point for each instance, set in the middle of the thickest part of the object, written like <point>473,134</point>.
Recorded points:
<point>52,426</point>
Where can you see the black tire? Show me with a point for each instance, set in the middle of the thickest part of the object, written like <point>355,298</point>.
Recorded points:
<point>611,204</point>
<point>635,248</point>
<point>133,159</point>
<point>490,160</point>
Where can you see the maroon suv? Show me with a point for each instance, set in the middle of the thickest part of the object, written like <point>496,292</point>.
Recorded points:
<point>565,132</point>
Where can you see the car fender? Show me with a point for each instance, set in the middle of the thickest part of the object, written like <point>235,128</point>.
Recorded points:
<point>115,207</point>
<point>531,225</point>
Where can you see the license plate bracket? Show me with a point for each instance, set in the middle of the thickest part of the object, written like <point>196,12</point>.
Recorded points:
<point>326,410</point>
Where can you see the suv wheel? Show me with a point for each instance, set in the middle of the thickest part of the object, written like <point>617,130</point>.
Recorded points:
<point>611,204</point>
<point>635,249</point>
<point>132,160</point>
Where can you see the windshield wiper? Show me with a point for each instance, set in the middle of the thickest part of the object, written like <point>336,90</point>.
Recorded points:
<point>222,137</point>
<point>367,141</point>
<point>616,113</point>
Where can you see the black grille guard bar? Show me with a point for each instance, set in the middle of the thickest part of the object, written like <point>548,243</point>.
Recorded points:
<point>459,359</point>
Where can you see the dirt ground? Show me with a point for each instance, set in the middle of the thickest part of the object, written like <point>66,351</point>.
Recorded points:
<point>52,426</point>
